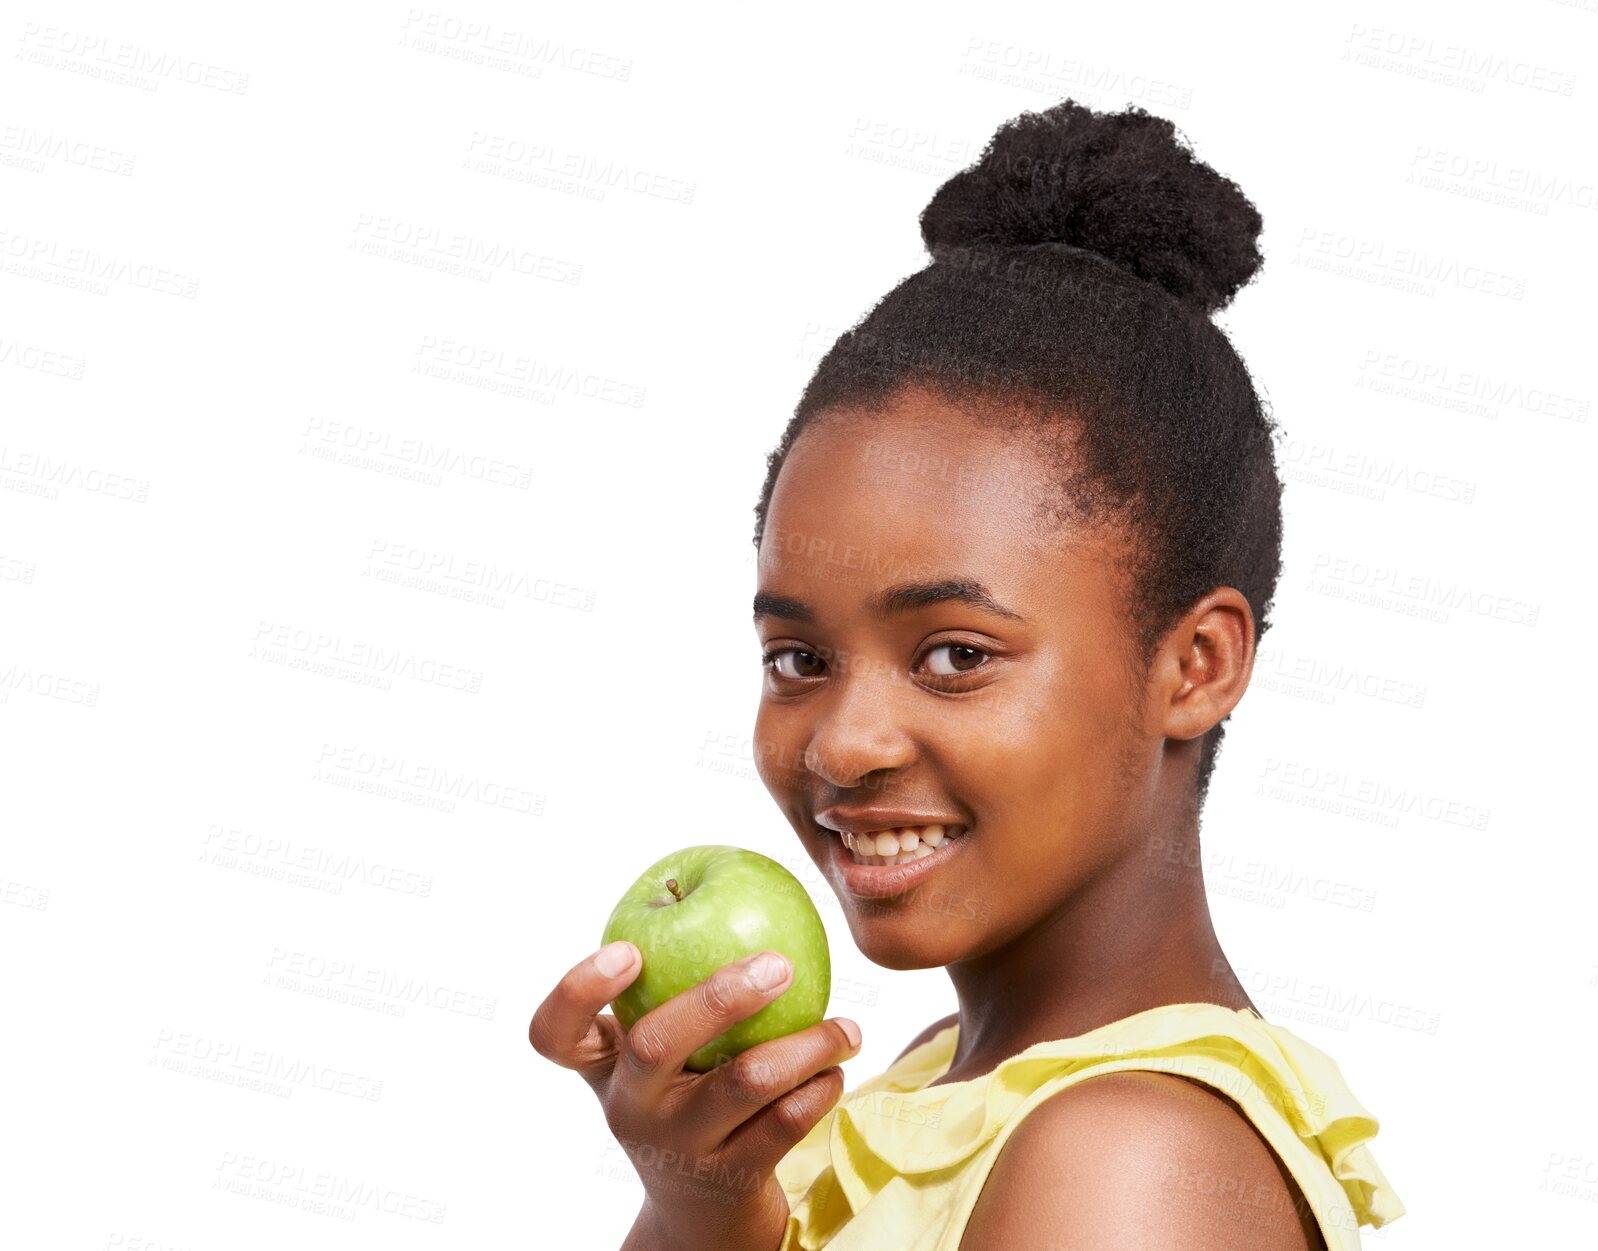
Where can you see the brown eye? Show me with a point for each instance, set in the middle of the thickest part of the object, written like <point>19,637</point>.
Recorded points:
<point>962,656</point>
<point>777,660</point>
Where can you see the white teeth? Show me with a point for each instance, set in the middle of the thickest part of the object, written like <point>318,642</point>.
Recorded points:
<point>888,847</point>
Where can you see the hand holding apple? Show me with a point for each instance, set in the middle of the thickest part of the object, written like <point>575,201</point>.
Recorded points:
<point>705,1145</point>
<point>703,907</point>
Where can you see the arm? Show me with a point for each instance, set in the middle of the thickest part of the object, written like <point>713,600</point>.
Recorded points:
<point>764,1232</point>
<point>1134,1160</point>
<point>645,1235</point>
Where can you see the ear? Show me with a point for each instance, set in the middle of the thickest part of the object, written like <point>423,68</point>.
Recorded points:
<point>1203,665</point>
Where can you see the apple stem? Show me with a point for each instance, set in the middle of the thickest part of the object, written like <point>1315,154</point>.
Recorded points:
<point>671,885</point>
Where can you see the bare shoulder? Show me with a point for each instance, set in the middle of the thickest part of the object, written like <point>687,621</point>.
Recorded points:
<point>1133,1160</point>
<point>928,1034</point>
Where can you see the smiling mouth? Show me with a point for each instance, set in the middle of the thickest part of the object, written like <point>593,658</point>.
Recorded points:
<point>898,846</point>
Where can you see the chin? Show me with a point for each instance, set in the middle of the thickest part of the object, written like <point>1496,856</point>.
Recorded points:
<point>893,936</point>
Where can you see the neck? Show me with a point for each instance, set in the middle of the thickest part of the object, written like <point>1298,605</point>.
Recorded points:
<point>1084,965</point>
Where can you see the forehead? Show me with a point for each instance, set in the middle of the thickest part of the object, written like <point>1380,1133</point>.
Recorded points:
<point>917,488</point>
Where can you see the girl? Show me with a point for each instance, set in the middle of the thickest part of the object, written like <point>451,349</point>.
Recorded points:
<point>1016,550</point>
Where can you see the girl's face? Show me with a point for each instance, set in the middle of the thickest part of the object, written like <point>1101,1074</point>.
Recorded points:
<point>1021,720</point>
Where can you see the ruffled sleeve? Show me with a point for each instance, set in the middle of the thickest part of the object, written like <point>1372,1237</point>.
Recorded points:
<point>898,1164</point>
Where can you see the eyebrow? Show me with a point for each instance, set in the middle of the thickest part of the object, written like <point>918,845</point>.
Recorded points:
<point>895,600</point>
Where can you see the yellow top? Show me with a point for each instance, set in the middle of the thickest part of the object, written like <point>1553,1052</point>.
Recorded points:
<point>896,1165</point>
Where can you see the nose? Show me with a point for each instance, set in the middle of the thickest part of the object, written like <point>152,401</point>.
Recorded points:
<point>858,740</point>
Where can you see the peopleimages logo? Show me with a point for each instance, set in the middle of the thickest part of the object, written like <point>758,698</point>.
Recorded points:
<point>432,779</point>
<point>38,257</point>
<point>381,449</point>
<point>279,1181</point>
<point>33,148</point>
<point>457,360</point>
<point>377,234</point>
<point>97,56</point>
<point>483,43</point>
<point>1452,64</point>
<point>1422,588</point>
<point>1405,267</point>
<point>41,473</point>
<point>1367,798</point>
<point>298,968</point>
<point>233,847</point>
<point>234,1063</point>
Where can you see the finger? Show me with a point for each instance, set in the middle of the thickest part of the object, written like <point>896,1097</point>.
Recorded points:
<point>766,1137</point>
<point>734,1092</point>
<point>660,1042</point>
<point>568,1028</point>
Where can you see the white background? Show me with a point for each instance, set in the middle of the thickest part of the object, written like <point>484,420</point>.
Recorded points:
<point>209,553</point>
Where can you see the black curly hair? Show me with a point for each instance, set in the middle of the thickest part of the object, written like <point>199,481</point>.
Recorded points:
<point>1075,268</point>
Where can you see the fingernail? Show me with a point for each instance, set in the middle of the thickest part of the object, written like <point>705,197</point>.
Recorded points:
<point>850,1030</point>
<point>768,970</point>
<point>615,959</point>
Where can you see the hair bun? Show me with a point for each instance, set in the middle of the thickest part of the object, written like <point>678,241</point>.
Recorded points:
<point>1124,185</point>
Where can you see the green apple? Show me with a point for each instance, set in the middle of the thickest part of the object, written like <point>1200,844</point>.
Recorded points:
<point>702,907</point>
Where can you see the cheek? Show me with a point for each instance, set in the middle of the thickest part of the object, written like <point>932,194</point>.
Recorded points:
<point>1062,718</point>
<point>778,752</point>
<point>1091,702</point>
<point>1056,761</point>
